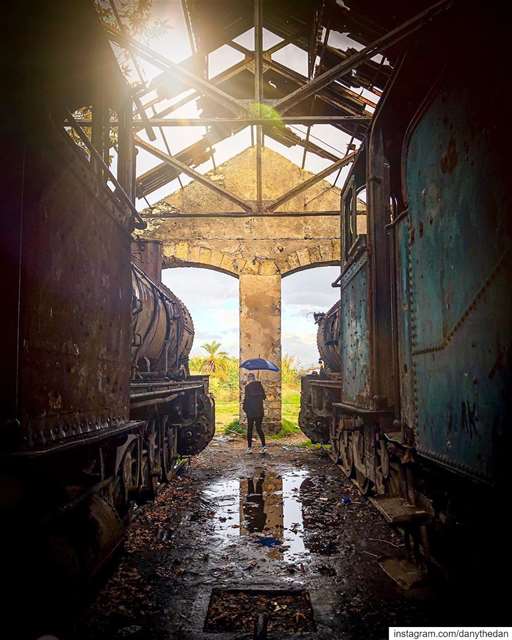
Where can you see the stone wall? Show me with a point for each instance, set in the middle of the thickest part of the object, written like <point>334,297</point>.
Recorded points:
<point>238,176</point>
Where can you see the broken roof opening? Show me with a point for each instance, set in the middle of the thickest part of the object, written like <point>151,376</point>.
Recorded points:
<point>199,75</point>
<point>247,39</point>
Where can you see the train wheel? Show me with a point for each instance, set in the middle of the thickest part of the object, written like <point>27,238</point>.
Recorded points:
<point>345,449</point>
<point>333,439</point>
<point>150,462</point>
<point>169,449</point>
<point>196,433</point>
<point>128,481</point>
<point>359,453</point>
<point>132,469</point>
<point>381,467</point>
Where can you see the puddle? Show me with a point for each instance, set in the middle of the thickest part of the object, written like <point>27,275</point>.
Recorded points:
<point>225,494</point>
<point>266,507</point>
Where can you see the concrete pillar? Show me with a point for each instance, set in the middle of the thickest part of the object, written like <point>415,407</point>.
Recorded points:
<point>260,337</point>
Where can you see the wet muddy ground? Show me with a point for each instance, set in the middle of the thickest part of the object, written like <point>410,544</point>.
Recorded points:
<point>237,536</point>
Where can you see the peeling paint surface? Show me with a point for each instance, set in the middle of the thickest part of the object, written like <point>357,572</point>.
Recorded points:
<point>75,359</point>
<point>459,278</point>
<point>354,336</point>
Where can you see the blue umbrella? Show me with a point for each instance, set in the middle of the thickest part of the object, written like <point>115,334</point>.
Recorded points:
<point>259,364</point>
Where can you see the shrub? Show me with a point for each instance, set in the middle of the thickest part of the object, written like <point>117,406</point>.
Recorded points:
<point>288,428</point>
<point>235,428</point>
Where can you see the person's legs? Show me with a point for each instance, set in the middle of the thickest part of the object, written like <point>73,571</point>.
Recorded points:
<point>259,429</point>
<point>250,425</point>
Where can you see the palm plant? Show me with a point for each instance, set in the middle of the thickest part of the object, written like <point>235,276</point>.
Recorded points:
<point>215,360</point>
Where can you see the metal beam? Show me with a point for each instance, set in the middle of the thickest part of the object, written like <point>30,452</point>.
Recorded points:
<point>187,77</point>
<point>164,157</point>
<point>126,151</point>
<point>307,184</point>
<point>284,136</point>
<point>204,122</point>
<point>218,79</point>
<point>357,59</point>
<point>119,192</point>
<point>136,99</point>
<point>191,37</point>
<point>258,94</point>
<point>338,92</point>
<point>333,95</point>
<point>240,214</point>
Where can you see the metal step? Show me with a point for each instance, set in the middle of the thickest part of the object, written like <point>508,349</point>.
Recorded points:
<point>398,511</point>
<point>406,574</point>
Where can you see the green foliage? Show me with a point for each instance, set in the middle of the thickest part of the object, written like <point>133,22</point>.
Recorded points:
<point>307,444</point>
<point>135,18</point>
<point>222,369</point>
<point>215,360</point>
<point>288,428</point>
<point>225,414</point>
<point>224,376</point>
<point>234,427</point>
<point>134,15</point>
<point>260,110</point>
<point>289,371</point>
<point>215,363</point>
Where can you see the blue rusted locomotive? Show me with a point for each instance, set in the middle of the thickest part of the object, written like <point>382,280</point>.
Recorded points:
<point>97,401</point>
<point>422,419</point>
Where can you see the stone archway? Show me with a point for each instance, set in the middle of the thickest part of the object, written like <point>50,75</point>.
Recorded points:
<point>289,259</point>
<point>260,300</point>
<point>258,249</point>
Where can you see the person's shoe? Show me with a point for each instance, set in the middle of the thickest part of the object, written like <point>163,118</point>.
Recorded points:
<point>263,449</point>
<point>249,450</point>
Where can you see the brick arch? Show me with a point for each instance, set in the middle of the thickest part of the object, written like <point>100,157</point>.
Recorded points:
<point>313,265</point>
<point>322,254</point>
<point>284,261</point>
<point>174,263</point>
<point>197,254</point>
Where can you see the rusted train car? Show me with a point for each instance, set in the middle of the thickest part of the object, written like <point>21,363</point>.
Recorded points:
<point>175,404</point>
<point>97,401</point>
<point>319,390</point>
<point>422,418</point>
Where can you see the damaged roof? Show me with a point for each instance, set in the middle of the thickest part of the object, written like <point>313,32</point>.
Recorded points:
<point>321,33</point>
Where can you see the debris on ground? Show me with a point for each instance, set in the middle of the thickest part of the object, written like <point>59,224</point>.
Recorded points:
<point>237,610</point>
<point>304,528</point>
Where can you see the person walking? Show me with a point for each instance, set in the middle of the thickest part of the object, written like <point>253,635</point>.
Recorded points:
<point>253,407</point>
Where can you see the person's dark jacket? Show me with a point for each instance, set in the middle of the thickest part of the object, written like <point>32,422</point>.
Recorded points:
<point>253,399</point>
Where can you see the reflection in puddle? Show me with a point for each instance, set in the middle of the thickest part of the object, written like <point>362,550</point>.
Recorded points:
<point>293,520</point>
<point>259,512</point>
<point>226,496</point>
<point>264,506</point>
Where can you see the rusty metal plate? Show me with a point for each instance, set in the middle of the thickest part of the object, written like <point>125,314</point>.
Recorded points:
<point>403,320</point>
<point>75,309</point>
<point>354,335</point>
<point>460,287</point>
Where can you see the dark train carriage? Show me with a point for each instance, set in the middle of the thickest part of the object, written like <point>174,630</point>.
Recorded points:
<point>458,338</point>
<point>425,330</point>
<point>319,390</point>
<point>177,405</point>
<point>95,410</point>
<point>66,259</point>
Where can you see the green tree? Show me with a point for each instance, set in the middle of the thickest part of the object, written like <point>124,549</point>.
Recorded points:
<point>215,360</point>
<point>289,371</point>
